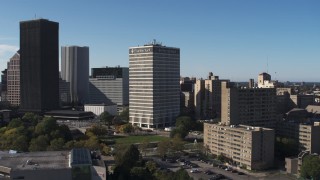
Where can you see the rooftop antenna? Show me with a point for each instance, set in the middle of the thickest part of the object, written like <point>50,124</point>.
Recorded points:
<point>267,64</point>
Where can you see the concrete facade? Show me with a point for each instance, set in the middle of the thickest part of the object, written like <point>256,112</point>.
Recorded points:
<point>307,135</point>
<point>247,146</point>
<point>75,70</point>
<point>154,90</point>
<point>207,100</point>
<point>110,84</point>
<point>13,80</point>
<point>98,109</point>
<point>249,106</point>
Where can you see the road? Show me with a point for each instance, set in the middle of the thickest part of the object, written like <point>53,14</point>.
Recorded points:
<point>229,175</point>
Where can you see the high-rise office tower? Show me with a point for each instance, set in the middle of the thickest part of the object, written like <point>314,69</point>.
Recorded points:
<point>154,90</point>
<point>13,80</point>
<point>110,84</point>
<point>39,65</point>
<point>75,70</point>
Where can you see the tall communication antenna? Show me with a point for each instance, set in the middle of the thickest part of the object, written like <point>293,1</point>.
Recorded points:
<point>267,64</point>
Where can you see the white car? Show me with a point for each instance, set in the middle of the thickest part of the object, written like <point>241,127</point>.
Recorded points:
<point>194,170</point>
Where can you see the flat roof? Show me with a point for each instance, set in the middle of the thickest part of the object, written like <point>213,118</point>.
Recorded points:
<point>80,156</point>
<point>241,127</point>
<point>35,160</point>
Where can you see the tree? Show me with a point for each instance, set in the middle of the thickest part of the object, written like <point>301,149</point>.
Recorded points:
<point>185,121</point>
<point>92,143</point>
<point>56,144</point>
<point>31,118</point>
<point>151,166</point>
<point>46,126</point>
<point>105,150</point>
<point>21,144</point>
<point>126,128</point>
<point>15,123</point>
<point>310,167</point>
<point>163,147</point>
<point>144,146</point>
<point>127,156</point>
<point>39,144</point>
<point>106,118</point>
<point>140,173</point>
<point>177,143</point>
<point>181,174</point>
<point>124,115</point>
<point>97,130</point>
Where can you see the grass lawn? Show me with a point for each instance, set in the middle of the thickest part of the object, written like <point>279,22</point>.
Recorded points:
<point>138,139</point>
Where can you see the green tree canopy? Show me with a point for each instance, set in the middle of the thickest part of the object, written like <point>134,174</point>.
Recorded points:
<point>126,156</point>
<point>124,115</point>
<point>39,144</point>
<point>46,126</point>
<point>181,174</point>
<point>30,118</point>
<point>98,130</point>
<point>106,118</point>
<point>15,123</point>
<point>310,167</point>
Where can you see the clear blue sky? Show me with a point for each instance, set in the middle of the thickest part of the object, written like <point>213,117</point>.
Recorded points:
<point>231,38</point>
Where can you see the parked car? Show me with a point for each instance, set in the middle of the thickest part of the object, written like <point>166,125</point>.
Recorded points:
<point>241,173</point>
<point>217,176</point>
<point>208,172</point>
<point>234,171</point>
<point>194,170</point>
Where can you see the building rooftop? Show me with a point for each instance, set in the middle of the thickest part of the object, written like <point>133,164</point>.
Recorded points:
<point>241,127</point>
<point>80,156</point>
<point>69,114</point>
<point>313,109</point>
<point>35,160</point>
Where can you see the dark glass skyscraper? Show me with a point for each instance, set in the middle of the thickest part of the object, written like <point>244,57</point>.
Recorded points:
<point>39,73</point>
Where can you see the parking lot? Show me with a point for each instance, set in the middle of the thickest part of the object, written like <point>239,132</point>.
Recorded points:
<point>199,170</point>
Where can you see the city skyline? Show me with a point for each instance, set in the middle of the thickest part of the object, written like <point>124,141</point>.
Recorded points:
<point>235,40</point>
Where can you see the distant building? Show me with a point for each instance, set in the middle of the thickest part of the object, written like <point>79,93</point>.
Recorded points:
<point>39,65</point>
<point>187,95</point>
<point>207,97</point>
<point>307,135</point>
<point>75,70</point>
<point>264,81</point>
<point>302,126</point>
<point>13,80</point>
<point>52,165</point>
<point>293,164</point>
<point>301,101</point>
<point>249,106</point>
<point>98,109</point>
<point>4,85</point>
<point>110,84</point>
<point>154,74</point>
<point>248,147</point>
<point>251,83</point>
<point>64,92</point>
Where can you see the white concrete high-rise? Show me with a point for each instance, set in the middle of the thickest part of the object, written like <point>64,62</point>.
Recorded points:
<point>75,69</point>
<point>13,80</point>
<point>154,89</point>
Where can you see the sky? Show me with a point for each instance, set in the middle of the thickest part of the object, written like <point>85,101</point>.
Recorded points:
<point>234,39</point>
